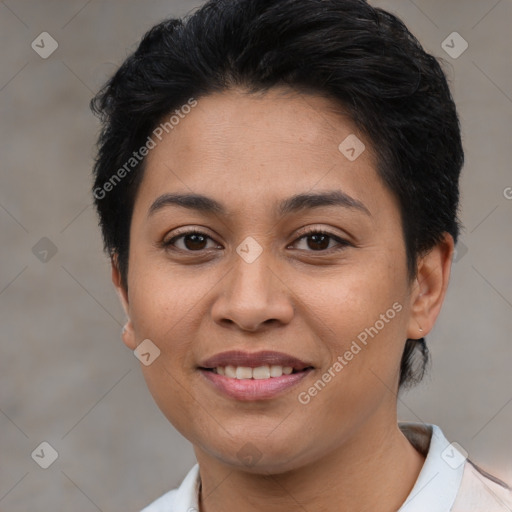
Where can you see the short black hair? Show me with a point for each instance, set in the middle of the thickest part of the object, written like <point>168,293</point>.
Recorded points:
<point>362,58</point>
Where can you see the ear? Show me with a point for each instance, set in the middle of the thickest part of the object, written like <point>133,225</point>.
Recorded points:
<point>128,334</point>
<point>429,287</point>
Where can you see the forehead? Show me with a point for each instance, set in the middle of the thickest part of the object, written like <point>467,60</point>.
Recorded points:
<point>279,117</point>
<point>240,147</point>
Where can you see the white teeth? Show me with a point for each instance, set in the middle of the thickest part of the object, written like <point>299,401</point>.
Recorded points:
<point>261,372</point>
<point>276,371</point>
<point>230,371</point>
<point>243,372</point>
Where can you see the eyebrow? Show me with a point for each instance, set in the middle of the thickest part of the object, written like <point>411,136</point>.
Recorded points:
<point>292,204</point>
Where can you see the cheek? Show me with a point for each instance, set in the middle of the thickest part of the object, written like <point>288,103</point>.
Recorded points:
<point>362,319</point>
<point>167,307</point>
<point>353,299</point>
<point>170,392</point>
<point>362,374</point>
<point>165,299</point>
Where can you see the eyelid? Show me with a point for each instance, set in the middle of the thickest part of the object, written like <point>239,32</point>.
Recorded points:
<point>187,230</point>
<point>301,234</point>
<point>169,243</point>
<point>316,229</point>
<point>324,231</point>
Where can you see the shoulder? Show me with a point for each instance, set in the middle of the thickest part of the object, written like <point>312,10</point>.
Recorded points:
<point>185,497</point>
<point>481,492</point>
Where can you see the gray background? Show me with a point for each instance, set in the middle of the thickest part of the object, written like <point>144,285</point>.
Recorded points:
<point>66,378</point>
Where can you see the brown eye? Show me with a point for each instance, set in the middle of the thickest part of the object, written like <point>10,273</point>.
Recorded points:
<point>194,241</point>
<point>191,241</point>
<point>320,241</point>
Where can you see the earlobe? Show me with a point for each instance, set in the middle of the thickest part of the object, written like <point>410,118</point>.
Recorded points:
<point>128,335</point>
<point>430,287</point>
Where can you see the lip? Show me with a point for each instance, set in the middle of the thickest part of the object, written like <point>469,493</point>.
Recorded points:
<point>254,389</point>
<point>253,360</point>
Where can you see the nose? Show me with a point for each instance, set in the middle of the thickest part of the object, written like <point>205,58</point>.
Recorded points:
<point>253,295</point>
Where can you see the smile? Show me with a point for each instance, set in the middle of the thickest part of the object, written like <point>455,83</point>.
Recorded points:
<point>246,372</point>
<point>253,376</point>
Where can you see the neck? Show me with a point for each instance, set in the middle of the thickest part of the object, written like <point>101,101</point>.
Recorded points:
<point>368,472</point>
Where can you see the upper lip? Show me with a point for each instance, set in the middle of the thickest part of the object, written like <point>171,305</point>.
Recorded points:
<point>253,360</point>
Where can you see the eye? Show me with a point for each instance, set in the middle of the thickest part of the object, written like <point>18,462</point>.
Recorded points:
<point>318,240</point>
<point>192,241</point>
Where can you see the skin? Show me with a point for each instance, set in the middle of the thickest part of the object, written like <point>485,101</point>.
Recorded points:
<point>342,450</point>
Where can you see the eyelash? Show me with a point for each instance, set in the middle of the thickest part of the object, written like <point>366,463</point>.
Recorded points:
<point>342,244</point>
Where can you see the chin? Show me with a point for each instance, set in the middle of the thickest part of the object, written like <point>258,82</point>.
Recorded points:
<point>258,454</point>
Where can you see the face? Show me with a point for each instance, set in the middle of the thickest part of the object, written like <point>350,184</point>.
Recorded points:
<point>295,261</point>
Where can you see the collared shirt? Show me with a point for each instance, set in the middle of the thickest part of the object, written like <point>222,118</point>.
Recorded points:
<point>448,481</point>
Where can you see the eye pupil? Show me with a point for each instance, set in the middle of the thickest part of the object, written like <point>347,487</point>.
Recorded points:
<point>319,241</point>
<point>194,238</point>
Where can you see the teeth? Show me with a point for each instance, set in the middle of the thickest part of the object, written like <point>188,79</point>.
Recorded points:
<point>230,371</point>
<point>243,372</point>
<point>276,371</point>
<point>261,372</point>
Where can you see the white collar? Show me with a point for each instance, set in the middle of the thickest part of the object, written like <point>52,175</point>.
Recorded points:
<point>440,477</point>
<point>435,489</point>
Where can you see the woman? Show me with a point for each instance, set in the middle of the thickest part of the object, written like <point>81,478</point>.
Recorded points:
<point>277,186</point>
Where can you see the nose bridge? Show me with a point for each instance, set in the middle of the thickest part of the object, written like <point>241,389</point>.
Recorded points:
<point>251,280</point>
<point>252,294</point>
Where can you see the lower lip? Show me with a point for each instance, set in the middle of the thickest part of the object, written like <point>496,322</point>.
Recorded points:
<point>254,389</point>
